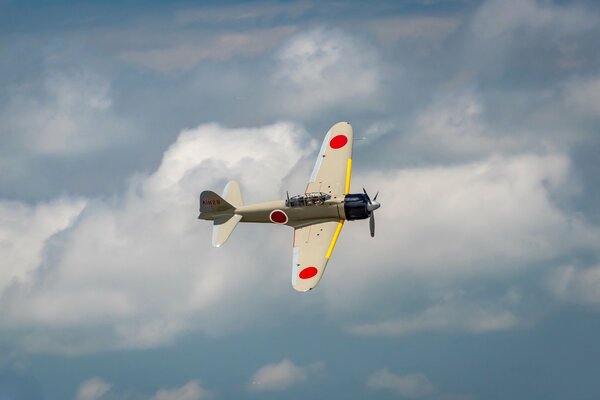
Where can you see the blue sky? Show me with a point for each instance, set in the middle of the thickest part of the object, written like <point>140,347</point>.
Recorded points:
<point>480,126</point>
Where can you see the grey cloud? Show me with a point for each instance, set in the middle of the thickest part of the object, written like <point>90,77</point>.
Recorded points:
<point>280,376</point>
<point>185,56</point>
<point>411,386</point>
<point>575,284</point>
<point>71,113</point>
<point>190,391</point>
<point>92,389</point>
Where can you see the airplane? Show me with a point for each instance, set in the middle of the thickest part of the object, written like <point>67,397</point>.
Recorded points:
<point>317,216</point>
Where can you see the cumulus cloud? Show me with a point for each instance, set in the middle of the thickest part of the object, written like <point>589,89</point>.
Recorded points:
<point>192,390</point>
<point>70,113</point>
<point>412,386</point>
<point>321,68</point>
<point>280,376</point>
<point>25,231</point>
<point>444,228</point>
<point>139,270</point>
<point>452,126</point>
<point>92,389</point>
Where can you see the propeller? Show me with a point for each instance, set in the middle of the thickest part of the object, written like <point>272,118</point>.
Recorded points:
<point>372,206</point>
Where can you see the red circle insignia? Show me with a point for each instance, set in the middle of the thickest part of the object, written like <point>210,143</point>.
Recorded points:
<point>278,217</point>
<point>338,141</point>
<point>308,273</point>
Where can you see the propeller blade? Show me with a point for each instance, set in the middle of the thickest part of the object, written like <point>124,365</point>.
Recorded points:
<point>368,198</point>
<point>376,194</point>
<point>372,224</point>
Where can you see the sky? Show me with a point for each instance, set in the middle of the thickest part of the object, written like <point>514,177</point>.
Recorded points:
<point>478,125</point>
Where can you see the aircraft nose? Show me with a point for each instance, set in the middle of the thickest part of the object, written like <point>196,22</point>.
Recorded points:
<point>373,206</point>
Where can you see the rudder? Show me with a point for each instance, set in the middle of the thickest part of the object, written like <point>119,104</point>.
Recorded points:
<point>212,202</point>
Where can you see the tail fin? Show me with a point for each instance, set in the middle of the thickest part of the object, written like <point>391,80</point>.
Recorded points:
<point>223,209</point>
<point>211,202</point>
<point>233,194</point>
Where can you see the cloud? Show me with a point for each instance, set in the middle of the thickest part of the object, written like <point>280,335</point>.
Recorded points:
<point>241,13</point>
<point>392,29</point>
<point>452,125</point>
<point>190,391</point>
<point>497,18</point>
<point>321,68</point>
<point>412,386</point>
<point>579,285</point>
<point>92,389</point>
<point>138,270</point>
<point>529,35</point>
<point>185,56</point>
<point>71,112</point>
<point>583,95</point>
<point>280,376</point>
<point>26,230</point>
<point>445,232</point>
<point>453,316</point>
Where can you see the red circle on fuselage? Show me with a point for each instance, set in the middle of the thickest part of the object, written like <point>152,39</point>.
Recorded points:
<point>278,217</point>
<point>338,141</point>
<point>308,273</point>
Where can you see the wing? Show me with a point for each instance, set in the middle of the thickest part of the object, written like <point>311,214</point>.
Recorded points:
<point>332,170</point>
<point>313,245</point>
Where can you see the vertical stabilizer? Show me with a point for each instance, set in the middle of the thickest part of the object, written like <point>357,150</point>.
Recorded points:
<point>232,194</point>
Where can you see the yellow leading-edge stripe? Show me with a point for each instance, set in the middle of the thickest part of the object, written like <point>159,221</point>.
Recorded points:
<point>348,174</point>
<point>335,237</point>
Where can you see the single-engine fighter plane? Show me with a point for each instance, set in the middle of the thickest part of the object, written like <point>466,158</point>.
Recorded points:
<point>317,216</point>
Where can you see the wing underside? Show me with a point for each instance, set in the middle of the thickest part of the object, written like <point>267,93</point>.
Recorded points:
<point>313,246</point>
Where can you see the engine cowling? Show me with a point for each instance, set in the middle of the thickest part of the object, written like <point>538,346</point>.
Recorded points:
<point>355,206</point>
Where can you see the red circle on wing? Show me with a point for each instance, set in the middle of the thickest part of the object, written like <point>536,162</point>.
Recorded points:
<point>279,217</point>
<point>308,273</point>
<point>338,141</point>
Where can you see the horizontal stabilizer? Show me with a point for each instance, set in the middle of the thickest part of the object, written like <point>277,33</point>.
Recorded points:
<point>223,226</point>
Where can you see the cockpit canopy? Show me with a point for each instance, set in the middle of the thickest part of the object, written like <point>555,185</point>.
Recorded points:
<point>307,199</point>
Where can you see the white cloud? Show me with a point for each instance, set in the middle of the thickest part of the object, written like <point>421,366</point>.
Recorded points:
<point>452,126</point>
<point>190,391</point>
<point>412,386</point>
<point>440,228</point>
<point>280,376</point>
<point>25,231</point>
<point>92,389</point>
<point>139,270</point>
<point>70,113</point>
<point>321,68</point>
